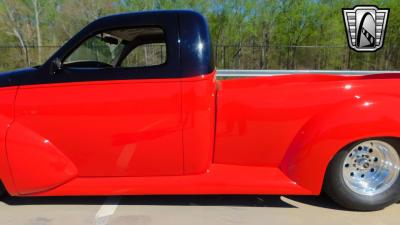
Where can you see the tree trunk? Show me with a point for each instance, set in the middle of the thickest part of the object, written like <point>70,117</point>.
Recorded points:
<point>145,55</point>
<point>17,33</point>
<point>36,9</point>
<point>23,47</point>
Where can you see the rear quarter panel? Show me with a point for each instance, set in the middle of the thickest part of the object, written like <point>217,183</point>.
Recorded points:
<point>299,122</point>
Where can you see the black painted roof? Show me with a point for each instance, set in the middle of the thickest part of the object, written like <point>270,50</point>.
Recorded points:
<point>187,37</point>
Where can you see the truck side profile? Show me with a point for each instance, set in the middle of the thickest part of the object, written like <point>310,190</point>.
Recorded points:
<point>101,117</point>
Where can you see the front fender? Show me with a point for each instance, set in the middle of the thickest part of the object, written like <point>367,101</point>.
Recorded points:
<point>7,97</point>
<point>36,164</point>
<point>330,131</point>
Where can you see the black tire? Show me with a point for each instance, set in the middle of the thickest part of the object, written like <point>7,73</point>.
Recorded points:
<point>337,189</point>
<point>3,190</point>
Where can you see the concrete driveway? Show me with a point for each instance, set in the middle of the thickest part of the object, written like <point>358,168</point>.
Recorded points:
<point>186,210</point>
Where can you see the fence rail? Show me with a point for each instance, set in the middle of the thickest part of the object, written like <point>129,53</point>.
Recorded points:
<point>266,73</point>
<point>250,57</point>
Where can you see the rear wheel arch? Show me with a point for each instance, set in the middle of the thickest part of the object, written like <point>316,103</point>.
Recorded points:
<point>328,132</point>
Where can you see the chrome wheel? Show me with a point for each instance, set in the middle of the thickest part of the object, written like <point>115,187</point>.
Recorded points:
<point>371,167</point>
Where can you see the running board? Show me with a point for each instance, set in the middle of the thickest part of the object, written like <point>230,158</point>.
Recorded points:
<point>219,179</point>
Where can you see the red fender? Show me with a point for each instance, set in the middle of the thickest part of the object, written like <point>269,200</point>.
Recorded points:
<point>7,97</point>
<point>43,166</point>
<point>330,131</point>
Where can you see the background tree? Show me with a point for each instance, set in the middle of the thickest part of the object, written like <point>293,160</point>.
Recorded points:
<point>14,19</point>
<point>247,34</point>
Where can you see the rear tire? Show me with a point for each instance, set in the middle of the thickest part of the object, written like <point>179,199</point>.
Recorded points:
<point>365,176</point>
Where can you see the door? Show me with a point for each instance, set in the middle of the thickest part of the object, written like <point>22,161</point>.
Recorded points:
<point>97,118</point>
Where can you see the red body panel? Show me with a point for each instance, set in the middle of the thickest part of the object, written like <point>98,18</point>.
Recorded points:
<point>7,99</point>
<point>128,128</point>
<point>273,135</point>
<point>298,123</point>
<point>36,164</point>
<point>198,109</point>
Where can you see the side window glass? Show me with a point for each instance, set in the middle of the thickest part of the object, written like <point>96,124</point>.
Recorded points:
<point>99,48</point>
<point>144,55</point>
<point>128,48</point>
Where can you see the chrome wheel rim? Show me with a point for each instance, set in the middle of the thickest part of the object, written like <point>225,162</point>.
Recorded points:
<point>371,167</point>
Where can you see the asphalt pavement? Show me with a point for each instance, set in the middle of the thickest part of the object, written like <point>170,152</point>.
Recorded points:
<point>187,210</point>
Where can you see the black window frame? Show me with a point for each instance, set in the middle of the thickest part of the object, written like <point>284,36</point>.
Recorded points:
<point>170,69</point>
<point>184,30</point>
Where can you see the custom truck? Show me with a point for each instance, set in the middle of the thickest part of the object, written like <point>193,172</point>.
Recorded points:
<point>131,106</point>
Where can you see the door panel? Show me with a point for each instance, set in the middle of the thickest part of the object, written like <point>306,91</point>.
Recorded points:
<point>108,128</point>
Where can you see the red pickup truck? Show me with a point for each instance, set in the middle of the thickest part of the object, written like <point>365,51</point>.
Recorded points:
<point>131,106</point>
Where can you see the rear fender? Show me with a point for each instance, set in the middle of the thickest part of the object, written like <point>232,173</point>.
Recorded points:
<point>330,131</point>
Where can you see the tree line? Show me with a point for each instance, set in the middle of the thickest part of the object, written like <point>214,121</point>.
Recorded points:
<point>247,34</point>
